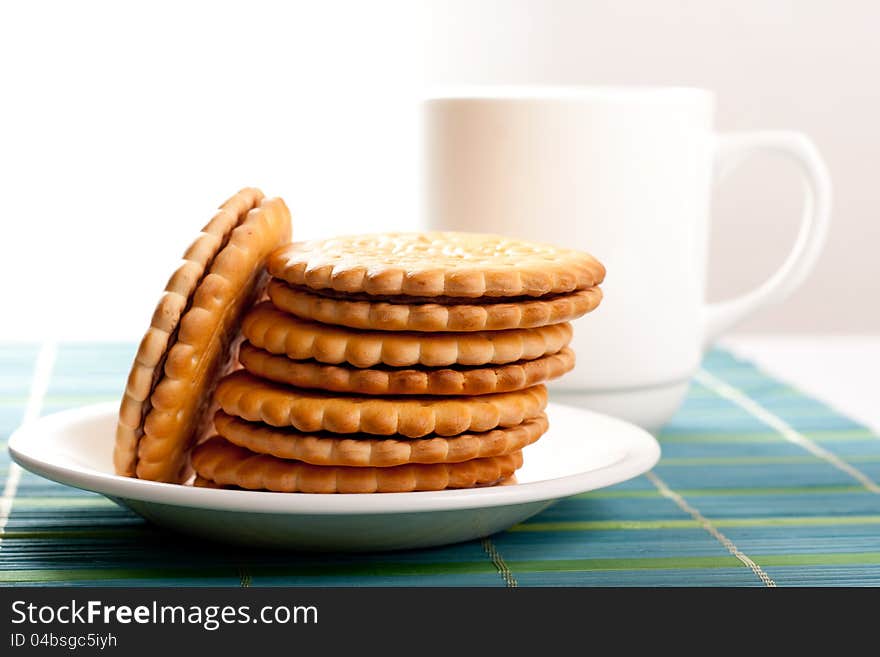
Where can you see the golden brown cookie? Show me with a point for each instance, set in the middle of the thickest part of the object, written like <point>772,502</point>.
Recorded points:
<point>201,482</point>
<point>150,358</point>
<point>410,381</point>
<point>226,464</point>
<point>245,396</point>
<point>278,332</point>
<point>189,344</point>
<point>363,450</point>
<point>424,314</point>
<point>436,264</point>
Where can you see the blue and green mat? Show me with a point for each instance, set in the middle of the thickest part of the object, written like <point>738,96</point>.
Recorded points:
<point>759,485</point>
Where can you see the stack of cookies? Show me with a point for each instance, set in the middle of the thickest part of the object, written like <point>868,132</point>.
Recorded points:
<point>397,362</point>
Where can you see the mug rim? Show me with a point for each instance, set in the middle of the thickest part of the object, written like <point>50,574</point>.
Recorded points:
<point>491,92</point>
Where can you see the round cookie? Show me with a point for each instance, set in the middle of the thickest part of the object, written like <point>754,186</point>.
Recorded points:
<point>250,398</point>
<point>411,381</point>
<point>423,314</point>
<point>201,482</point>
<point>185,351</point>
<point>277,332</point>
<point>363,451</point>
<point>436,264</point>
<point>226,464</point>
<point>150,358</point>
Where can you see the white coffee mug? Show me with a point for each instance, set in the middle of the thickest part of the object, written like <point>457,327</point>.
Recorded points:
<point>625,174</point>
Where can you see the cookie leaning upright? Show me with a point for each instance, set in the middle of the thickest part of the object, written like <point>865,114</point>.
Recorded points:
<point>189,344</point>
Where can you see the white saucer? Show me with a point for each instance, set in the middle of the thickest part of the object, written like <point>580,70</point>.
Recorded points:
<point>581,452</point>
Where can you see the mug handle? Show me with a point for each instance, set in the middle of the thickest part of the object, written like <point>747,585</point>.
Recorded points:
<point>730,151</point>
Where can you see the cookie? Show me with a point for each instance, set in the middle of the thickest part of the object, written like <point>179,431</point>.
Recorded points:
<point>201,482</point>
<point>410,381</point>
<point>250,398</point>
<point>190,341</point>
<point>277,332</point>
<point>364,451</point>
<point>150,358</point>
<point>424,314</point>
<point>436,264</point>
<point>226,464</point>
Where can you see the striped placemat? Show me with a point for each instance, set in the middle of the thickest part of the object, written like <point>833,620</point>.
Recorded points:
<point>759,485</point>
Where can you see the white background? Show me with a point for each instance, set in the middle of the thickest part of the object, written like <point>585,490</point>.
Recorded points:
<point>122,125</point>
